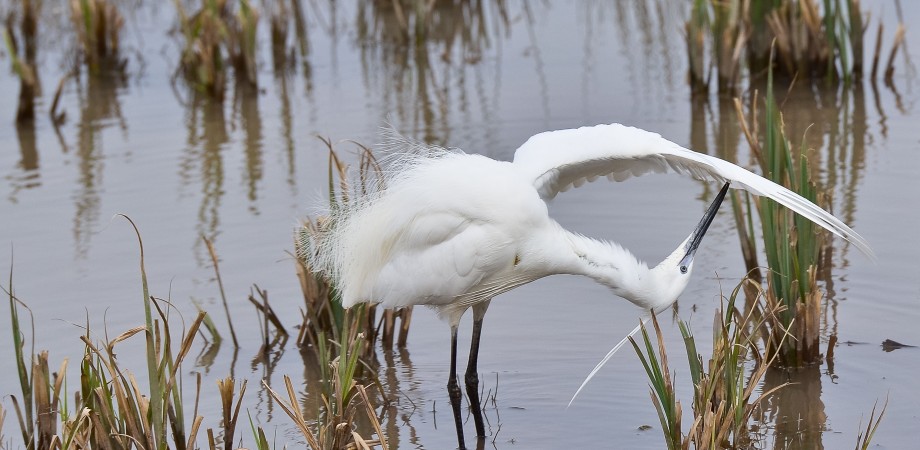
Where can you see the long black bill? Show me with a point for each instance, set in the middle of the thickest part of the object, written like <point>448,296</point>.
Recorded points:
<point>700,230</point>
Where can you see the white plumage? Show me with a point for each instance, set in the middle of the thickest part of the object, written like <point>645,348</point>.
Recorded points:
<point>452,230</point>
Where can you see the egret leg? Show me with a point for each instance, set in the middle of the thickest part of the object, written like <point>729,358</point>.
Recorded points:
<point>472,371</point>
<point>453,389</point>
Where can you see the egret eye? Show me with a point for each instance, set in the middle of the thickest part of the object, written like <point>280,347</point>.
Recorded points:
<point>683,269</point>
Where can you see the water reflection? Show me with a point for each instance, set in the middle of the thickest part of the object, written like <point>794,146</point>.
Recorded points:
<point>419,59</point>
<point>433,71</point>
<point>100,108</point>
<point>27,175</point>
<point>285,57</point>
<point>795,412</point>
<point>246,105</point>
<point>206,131</point>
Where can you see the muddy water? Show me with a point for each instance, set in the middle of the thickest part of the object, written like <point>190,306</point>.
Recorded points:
<point>243,173</point>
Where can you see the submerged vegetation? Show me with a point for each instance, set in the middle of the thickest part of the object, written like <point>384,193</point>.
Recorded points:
<point>98,25</point>
<point>215,38</point>
<point>813,40</point>
<point>21,51</point>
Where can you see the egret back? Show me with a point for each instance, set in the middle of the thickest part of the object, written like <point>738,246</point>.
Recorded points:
<point>446,226</point>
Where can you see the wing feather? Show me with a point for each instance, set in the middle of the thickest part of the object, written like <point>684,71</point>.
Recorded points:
<point>558,160</point>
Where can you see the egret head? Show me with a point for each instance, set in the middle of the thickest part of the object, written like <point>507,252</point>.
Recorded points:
<point>673,274</point>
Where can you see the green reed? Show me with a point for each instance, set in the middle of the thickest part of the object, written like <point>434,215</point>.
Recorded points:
<point>723,387</point>
<point>864,438</point>
<point>203,61</point>
<point>791,243</point>
<point>241,42</point>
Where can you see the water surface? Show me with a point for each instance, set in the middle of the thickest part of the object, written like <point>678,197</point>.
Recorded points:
<point>244,173</point>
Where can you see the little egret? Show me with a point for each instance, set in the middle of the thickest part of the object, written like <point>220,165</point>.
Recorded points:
<point>452,230</point>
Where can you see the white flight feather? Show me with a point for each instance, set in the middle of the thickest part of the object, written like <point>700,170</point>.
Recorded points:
<point>557,160</point>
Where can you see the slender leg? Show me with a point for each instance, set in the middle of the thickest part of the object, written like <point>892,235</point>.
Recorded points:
<point>472,372</point>
<point>453,389</point>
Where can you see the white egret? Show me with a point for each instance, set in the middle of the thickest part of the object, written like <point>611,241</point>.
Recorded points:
<point>452,230</point>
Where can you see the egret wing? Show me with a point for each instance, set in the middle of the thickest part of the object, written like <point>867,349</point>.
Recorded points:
<point>439,258</point>
<point>558,160</point>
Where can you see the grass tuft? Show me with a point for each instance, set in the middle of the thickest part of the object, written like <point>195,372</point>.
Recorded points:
<point>723,388</point>
<point>792,244</point>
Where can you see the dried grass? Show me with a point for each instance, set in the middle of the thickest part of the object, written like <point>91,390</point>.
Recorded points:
<point>723,388</point>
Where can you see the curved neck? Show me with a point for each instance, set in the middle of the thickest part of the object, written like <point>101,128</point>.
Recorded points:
<point>610,264</point>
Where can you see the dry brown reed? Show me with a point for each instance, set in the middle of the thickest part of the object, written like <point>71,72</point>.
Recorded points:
<point>336,430</point>
<point>113,410</point>
<point>220,285</point>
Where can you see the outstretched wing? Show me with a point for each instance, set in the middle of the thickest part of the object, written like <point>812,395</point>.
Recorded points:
<point>558,160</point>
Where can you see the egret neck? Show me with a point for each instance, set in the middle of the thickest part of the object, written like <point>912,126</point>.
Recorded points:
<point>610,264</point>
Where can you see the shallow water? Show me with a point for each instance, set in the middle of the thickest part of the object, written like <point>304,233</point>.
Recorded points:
<point>244,173</point>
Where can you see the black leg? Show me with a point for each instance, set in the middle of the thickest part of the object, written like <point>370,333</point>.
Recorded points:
<point>472,379</point>
<point>472,371</point>
<point>453,389</point>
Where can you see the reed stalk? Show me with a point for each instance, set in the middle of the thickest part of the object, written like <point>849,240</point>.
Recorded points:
<point>723,388</point>
<point>343,398</point>
<point>696,28</point>
<point>792,244</point>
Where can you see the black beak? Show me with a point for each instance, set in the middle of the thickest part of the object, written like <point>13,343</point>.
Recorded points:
<point>700,230</point>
